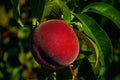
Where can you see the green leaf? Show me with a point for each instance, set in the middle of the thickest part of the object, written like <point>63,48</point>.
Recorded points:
<point>106,10</point>
<point>56,11</point>
<point>64,74</point>
<point>56,7</point>
<point>37,7</point>
<point>1,75</point>
<point>21,58</point>
<point>16,11</point>
<point>95,56</point>
<point>15,73</point>
<point>85,70</point>
<point>66,12</point>
<point>43,73</point>
<point>51,8</point>
<point>91,59</point>
<point>97,34</point>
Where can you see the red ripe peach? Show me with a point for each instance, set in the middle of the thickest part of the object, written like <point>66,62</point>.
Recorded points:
<point>54,44</point>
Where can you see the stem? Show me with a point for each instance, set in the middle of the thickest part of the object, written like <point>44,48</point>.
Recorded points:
<point>72,72</point>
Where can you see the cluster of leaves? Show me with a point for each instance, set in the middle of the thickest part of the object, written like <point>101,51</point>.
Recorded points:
<point>90,21</point>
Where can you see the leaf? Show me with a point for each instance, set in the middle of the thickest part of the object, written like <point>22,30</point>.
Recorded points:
<point>104,9</point>
<point>97,34</point>
<point>64,74</point>
<point>42,73</point>
<point>51,7</point>
<point>4,16</point>
<point>55,12</point>
<point>16,9</point>
<point>96,51</point>
<point>37,7</point>
<point>94,57</point>
<point>56,7</point>
<point>21,58</point>
<point>16,12</point>
<point>15,73</point>
<point>66,12</point>
<point>92,45</point>
<point>85,71</point>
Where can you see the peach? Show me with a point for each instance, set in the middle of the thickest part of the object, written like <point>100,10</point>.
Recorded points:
<point>54,44</point>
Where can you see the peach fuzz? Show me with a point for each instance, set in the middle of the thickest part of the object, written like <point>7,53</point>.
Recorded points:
<point>54,44</point>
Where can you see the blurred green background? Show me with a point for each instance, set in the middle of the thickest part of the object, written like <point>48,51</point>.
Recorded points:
<point>16,61</point>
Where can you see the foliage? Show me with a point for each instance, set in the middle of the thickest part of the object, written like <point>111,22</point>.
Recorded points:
<point>96,23</point>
